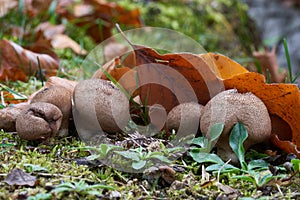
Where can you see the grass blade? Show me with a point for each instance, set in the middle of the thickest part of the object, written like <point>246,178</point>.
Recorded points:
<point>288,59</point>
<point>20,96</point>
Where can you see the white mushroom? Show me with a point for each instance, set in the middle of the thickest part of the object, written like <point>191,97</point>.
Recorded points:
<point>230,107</point>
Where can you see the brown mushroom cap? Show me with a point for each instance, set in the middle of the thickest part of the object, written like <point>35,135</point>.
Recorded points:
<point>39,121</point>
<point>230,107</point>
<point>59,96</point>
<point>185,116</point>
<point>99,106</point>
<point>9,115</point>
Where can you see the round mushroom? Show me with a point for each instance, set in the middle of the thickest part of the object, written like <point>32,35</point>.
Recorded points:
<point>59,96</point>
<point>39,121</point>
<point>9,115</point>
<point>98,105</point>
<point>230,107</point>
<point>185,116</point>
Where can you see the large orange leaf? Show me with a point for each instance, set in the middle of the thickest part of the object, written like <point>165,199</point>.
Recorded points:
<point>223,66</point>
<point>170,68</point>
<point>17,63</point>
<point>281,100</point>
<point>165,79</point>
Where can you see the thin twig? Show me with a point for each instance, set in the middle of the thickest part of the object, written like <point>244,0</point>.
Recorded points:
<point>144,189</point>
<point>2,99</point>
<point>123,35</point>
<point>278,187</point>
<point>218,179</point>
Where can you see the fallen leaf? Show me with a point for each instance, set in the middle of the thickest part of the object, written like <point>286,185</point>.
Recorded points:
<point>285,145</point>
<point>281,100</point>
<point>223,66</point>
<point>17,63</point>
<point>49,36</point>
<point>82,10</point>
<point>10,98</point>
<point>112,11</point>
<point>168,174</point>
<point>100,17</point>
<point>19,177</point>
<point>268,61</point>
<point>186,74</point>
<point>61,41</point>
<point>113,49</point>
<point>227,189</point>
<point>50,30</point>
<point>154,75</point>
<point>36,7</point>
<point>6,6</point>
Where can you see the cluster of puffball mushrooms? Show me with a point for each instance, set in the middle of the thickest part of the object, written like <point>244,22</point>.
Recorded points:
<point>48,112</point>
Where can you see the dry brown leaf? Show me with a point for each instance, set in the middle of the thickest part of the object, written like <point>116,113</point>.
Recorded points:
<point>19,177</point>
<point>49,30</point>
<point>82,10</point>
<point>268,61</point>
<point>61,41</point>
<point>35,7</point>
<point>188,75</point>
<point>100,17</point>
<point>17,63</point>
<point>113,49</point>
<point>6,6</point>
<point>191,67</point>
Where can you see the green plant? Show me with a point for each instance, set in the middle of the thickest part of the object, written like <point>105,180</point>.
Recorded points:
<point>81,188</point>
<point>237,138</point>
<point>40,196</point>
<point>5,147</point>
<point>139,157</point>
<point>201,154</point>
<point>35,168</point>
<point>288,59</point>
<point>296,164</point>
<point>256,171</point>
<point>100,152</point>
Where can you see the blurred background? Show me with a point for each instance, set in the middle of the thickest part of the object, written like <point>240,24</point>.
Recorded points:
<point>235,28</point>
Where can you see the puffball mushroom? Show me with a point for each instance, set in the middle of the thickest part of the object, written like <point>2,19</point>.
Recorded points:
<point>59,96</point>
<point>9,115</point>
<point>39,121</point>
<point>230,107</point>
<point>98,105</point>
<point>185,116</point>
